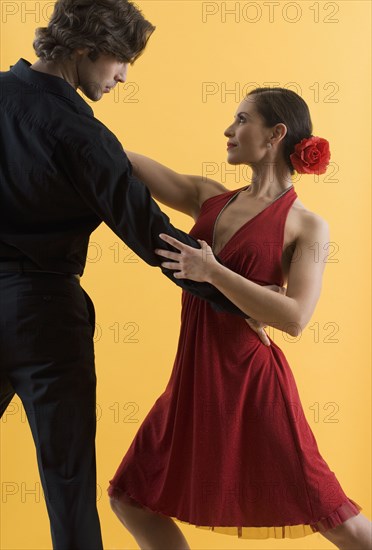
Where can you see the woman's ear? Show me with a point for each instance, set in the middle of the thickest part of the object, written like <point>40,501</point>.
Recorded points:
<point>280,131</point>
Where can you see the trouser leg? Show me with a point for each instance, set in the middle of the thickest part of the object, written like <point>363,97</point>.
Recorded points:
<point>54,376</point>
<point>6,392</point>
<point>63,429</point>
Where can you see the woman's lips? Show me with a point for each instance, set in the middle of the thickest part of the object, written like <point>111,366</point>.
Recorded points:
<point>231,145</point>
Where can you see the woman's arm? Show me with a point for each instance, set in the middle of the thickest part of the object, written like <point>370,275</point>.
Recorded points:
<point>179,191</point>
<point>289,313</point>
<point>259,326</point>
<point>184,193</point>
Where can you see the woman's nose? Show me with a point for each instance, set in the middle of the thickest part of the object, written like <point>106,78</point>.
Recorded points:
<point>228,132</point>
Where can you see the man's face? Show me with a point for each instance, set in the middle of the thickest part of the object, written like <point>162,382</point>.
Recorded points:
<point>98,77</point>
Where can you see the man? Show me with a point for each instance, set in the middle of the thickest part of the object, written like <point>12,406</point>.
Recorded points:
<point>62,173</point>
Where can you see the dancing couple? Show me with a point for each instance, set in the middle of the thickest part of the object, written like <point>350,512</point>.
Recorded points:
<point>226,446</point>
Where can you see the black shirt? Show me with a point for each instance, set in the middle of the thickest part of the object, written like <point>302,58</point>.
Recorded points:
<point>63,173</point>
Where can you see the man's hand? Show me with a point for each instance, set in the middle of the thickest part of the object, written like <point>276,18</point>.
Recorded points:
<point>258,326</point>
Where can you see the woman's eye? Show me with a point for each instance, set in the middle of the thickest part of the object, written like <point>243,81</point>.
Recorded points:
<point>241,119</point>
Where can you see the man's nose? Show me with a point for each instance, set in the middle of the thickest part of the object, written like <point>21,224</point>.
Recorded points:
<point>122,76</point>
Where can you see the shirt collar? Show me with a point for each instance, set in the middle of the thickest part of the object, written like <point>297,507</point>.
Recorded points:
<point>49,83</point>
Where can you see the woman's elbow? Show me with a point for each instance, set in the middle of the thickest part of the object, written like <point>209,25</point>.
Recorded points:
<point>297,326</point>
<point>297,323</point>
<point>293,328</point>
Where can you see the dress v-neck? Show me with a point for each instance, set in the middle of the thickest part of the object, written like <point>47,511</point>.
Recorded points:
<point>231,199</point>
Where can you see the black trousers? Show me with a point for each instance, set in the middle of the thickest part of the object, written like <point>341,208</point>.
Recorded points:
<point>47,358</point>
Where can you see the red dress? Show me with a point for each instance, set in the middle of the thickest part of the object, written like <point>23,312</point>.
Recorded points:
<point>227,446</point>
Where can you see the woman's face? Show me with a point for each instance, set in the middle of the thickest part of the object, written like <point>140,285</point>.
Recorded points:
<point>247,135</point>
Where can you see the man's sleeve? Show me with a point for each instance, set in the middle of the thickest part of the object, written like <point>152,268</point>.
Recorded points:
<point>103,178</point>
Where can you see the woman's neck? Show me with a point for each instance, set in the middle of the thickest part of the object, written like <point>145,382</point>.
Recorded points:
<point>268,184</point>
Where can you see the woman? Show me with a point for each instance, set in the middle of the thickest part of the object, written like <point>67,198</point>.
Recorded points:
<point>227,445</point>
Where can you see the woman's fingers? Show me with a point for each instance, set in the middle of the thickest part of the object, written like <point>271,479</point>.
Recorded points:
<point>167,254</point>
<point>174,242</point>
<point>264,338</point>
<point>171,265</point>
<point>191,263</point>
<point>258,327</point>
<point>256,324</point>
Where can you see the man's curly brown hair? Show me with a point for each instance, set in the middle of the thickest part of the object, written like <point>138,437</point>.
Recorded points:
<point>115,27</point>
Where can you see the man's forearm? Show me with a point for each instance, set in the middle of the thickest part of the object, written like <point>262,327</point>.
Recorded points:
<point>157,222</point>
<point>125,204</point>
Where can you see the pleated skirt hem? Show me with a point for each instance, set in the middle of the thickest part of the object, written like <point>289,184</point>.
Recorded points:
<point>346,510</point>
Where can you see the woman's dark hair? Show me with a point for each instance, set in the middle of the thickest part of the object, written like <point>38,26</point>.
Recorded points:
<point>277,105</point>
<point>114,27</point>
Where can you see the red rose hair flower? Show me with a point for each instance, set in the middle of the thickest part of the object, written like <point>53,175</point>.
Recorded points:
<point>311,156</point>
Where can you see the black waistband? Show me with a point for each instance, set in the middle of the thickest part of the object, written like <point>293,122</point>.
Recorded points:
<point>27,266</point>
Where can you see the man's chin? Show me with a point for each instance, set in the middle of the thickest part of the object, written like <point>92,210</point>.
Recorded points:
<point>93,95</point>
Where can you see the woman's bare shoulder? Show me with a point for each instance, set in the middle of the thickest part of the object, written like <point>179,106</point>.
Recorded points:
<point>304,222</point>
<point>304,231</point>
<point>210,188</point>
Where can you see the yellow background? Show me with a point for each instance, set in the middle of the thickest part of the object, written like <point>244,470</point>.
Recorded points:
<point>319,49</point>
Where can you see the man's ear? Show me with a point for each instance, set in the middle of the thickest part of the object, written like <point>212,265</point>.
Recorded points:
<point>81,51</point>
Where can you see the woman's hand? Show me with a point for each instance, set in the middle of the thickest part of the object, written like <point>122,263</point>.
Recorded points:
<point>197,264</point>
<point>258,326</point>
<point>191,263</point>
